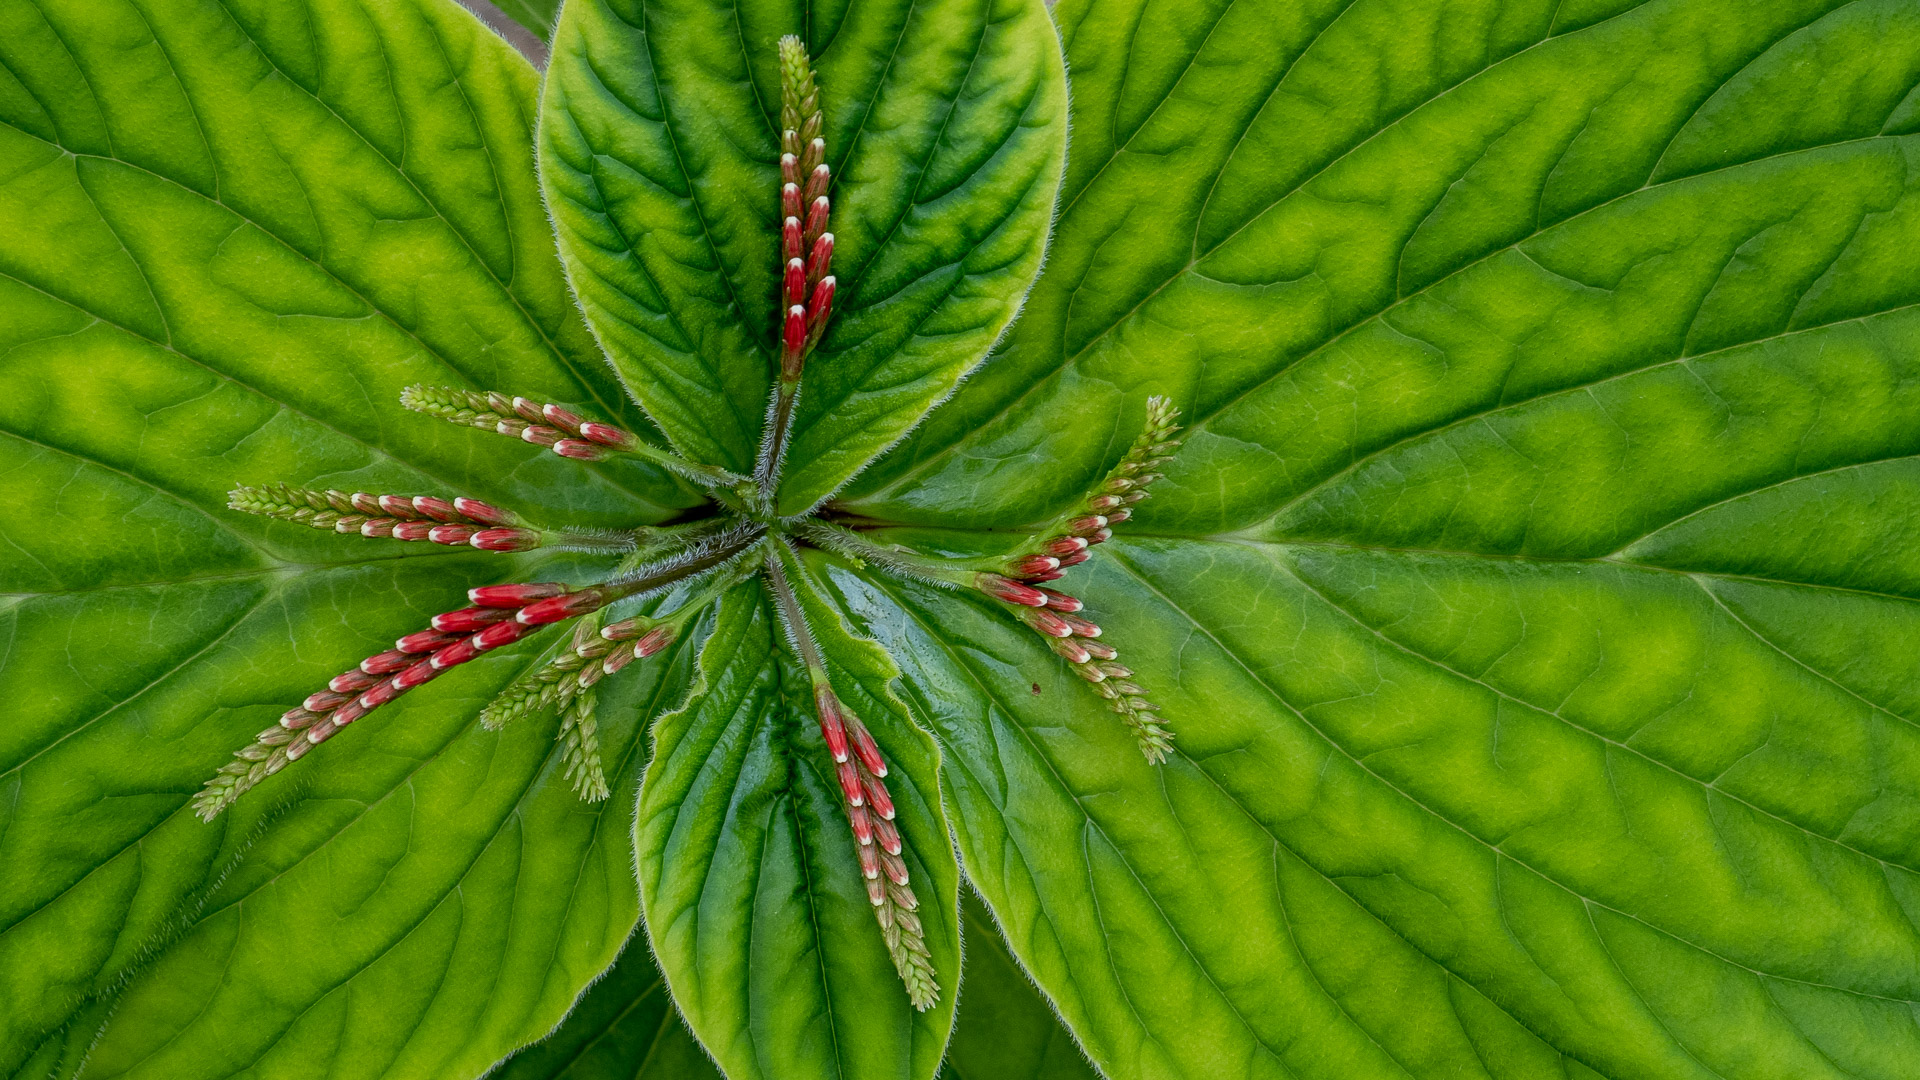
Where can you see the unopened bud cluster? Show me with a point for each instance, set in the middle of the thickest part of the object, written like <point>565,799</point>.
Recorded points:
<point>870,811</point>
<point>806,247</point>
<point>399,517</point>
<point>564,432</point>
<point>1064,543</point>
<point>500,616</point>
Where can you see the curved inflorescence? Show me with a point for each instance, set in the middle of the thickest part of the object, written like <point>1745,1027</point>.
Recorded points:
<point>699,561</point>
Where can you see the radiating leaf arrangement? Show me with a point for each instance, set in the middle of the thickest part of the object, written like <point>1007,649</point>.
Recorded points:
<point>1527,396</point>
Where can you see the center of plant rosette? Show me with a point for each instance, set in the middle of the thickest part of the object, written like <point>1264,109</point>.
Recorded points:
<point>690,565</point>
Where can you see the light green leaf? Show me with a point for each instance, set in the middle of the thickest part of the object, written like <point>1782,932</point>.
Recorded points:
<point>233,233</point>
<point>748,876</point>
<point>1534,599</point>
<point>945,128</point>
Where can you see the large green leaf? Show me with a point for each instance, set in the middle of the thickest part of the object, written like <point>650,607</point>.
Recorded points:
<point>625,1026</point>
<point>1534,601</point>
<point>232,234</point>
<point>659,145</point>
<point>748,876</point>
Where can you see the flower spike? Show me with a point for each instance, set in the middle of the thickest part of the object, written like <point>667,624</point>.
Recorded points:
<point>399,517</point>
<point>806,249</point>
<point>553,426</point>
<point>860,771</point>
<point>1064,541</point>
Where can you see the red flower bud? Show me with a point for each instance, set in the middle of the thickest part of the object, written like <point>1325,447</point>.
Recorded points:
<point>455,654</point>
<point>386,663</point>
<point>437,509</point>
<point>413,530</point>
<point>513,596</point>
<point>821,258</point>
<point>398,506</point>
<point>869,861</point>
<point>889,836</point>
<point>849,777</point>
<point>1099,536</point>
<point>608,435</point>
<point>789,195</point>
<point>1098,650</point>
<point>1081,526</point>
<point>348,713</point>
<point>1060,601</point>
<point>352,682</point>
<point>529,411</point>
<point>485,513</point>
<point>1100,504</point>
<point>816,218</point>
<point>1047,623</point>
<point>794,285</point>
<point>557,608</point>
<point>1072,650</point>
<point>499,634</point>
<point>424,641</point>
<point>877,795</point>
<point>653,641</point>
<point>378,528</point>
<point>817,182</point>
<point>790,171</point>
<point>558,417</point>
<point>380,695</point>
<point>820,308</point>
<point>507,539</point>
<point>580,450</point>
<point>1033,564</point>
<point>864,746</point>
<point>296,719</point>
<point>790,247</point>
<point>541,435</point>
<point>1010,591</point>
<point>832,726</point>
<point>1081,626</point>
<point>468,620</point>
<point>424,671</point>
<point>452,534</point>
<point>324,701</point>
<point>1118,516</point>
<point>862,824</point>
<point>1064,546</point>
<point>1074,558</point>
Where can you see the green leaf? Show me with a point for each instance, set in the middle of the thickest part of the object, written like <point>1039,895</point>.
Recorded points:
<point>754,903</point>
<point>231,239</point>
<point>945,128</point>
<point>1534,600</point>
<point>1006,1031</point>
<point>625,1026</point>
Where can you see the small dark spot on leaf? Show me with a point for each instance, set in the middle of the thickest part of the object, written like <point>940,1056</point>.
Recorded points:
<point>1036,689</point>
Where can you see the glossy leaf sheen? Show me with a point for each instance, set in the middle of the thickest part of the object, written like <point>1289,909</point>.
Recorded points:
<point>945,129</point>
<point>748,876</point>
<point>1534,600</point>
<point>233,233</point>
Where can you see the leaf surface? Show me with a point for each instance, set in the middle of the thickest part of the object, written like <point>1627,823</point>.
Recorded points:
<point>234,233</point>
<point>748,876</point>
<point>625,1025</point>
<point>1534,598</point>
<point>659,146</point>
